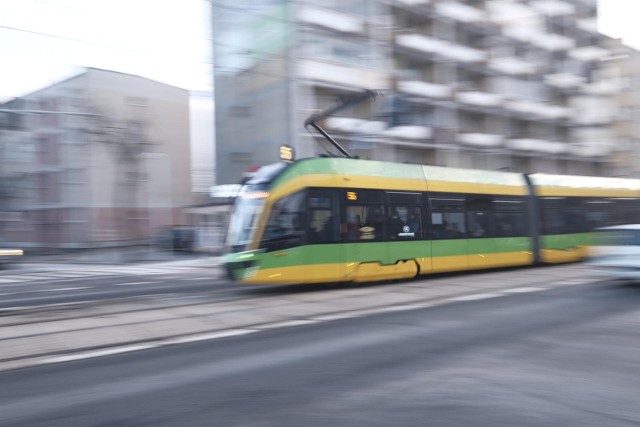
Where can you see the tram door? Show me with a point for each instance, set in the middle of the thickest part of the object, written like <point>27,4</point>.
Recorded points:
<point>325,254</point>
<point>448,233</point>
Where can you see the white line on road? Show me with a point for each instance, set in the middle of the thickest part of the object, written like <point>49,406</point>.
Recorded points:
<point>63,289</point>
<point>475,297</point>
<point>198,278</point>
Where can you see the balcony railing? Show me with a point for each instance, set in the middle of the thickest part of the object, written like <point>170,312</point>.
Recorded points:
<point>460,12</point>
<point>441,48</point>
<point>482,99</point>
<point>553,7</point>
<point>429,90</point>
<point>331,19</point>
<point>537,145</point>
<point>480,139</point>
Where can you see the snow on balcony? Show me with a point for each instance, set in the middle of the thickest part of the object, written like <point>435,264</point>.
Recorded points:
<point>537,145</point>
<point>511,65</point>
<point>408,132</point>
<point>553,7</point>
<point>481,139</point>
<point>589,53</point>
<point>440,47</point>
<point>564,80</point>
<point>331,19</point>
<point>430,90</point>
<point>460,12</point>
<point>483,99</point>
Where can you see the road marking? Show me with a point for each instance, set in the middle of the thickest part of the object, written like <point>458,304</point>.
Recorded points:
<point>475,297</point>
<point>100,353</point>
<point>131,283</point>
<point>523,290</point>
<point>63,289</point>
<point>198,278</point>
<point>287,323</point>
<point>209,336</point>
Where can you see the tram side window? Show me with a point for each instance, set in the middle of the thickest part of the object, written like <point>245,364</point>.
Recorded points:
<point>285,225</point>
<point>510,224</point>
<point>479,224</point>
<point>404,215</point>
<point>447,218</point>
<point>364,216</point>
<point>323,226</point>
<point>510,216</point>
<point>479,216</point>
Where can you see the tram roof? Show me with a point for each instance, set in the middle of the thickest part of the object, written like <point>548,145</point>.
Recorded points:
<point>548,185</point>
<point>357,173</point>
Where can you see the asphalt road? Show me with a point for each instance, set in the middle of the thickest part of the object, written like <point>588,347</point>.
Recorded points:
<point>563,357</point>
<point>35,288</point>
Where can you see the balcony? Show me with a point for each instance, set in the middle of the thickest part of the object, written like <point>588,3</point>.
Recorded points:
<point>481,139</point>
<point>603,87</point>
<point>429,90</point>
<point>590,149</point>
<point>507,12</point>
<point>512,66</point>
<point>589,53</point>
<point>414,2</point>
<point>441,48</point>
<point>553,7</point>
<point>378,129</point>
<point>535,36</point>
<point>482,99</point>
<point>408,132</point>
<point>564,80</point>
<point>539,109</point>
<point>460,12</point>
<point>537,146</point>
<point>331,19</point>
<point>588,24</point>
<point>341,75</point>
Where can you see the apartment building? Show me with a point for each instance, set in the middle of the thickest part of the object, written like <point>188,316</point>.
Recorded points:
<point>528,86</point>
<point>99,159</point>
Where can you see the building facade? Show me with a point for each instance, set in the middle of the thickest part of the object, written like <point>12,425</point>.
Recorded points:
<point>528,86</point>
<point>99,159</point>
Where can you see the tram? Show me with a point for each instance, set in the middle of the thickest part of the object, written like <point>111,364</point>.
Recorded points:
<point>340,219</point>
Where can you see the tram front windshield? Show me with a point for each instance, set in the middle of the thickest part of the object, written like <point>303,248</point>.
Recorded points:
<point>244,219</point>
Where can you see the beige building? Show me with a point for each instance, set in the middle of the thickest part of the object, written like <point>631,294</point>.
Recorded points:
<point>99,159</point>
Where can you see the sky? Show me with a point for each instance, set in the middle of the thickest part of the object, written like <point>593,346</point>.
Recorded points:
<point>45,41</point>
<point>619,18</point>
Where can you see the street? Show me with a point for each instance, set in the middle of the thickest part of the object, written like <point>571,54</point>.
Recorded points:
<point>565,356</point>
<point>30,286</point>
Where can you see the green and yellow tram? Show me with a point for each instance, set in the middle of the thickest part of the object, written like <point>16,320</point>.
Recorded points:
<point>334,219</point>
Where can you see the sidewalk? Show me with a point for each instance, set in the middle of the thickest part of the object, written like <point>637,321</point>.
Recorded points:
<point>41,336</point>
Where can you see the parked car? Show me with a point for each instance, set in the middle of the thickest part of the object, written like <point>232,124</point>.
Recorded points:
<point>616,253</point>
